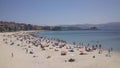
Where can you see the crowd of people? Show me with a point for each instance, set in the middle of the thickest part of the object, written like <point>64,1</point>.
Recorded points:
<point>54,44</point>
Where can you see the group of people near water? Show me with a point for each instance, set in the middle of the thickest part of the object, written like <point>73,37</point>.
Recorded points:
<point>50,43</point>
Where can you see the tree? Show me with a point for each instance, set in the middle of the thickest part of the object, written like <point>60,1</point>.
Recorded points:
<point>1,29</point>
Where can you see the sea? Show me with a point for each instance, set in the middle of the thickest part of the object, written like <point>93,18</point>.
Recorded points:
<point>107,38</point>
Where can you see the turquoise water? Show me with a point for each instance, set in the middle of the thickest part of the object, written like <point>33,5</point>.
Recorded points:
<point>108,38</point>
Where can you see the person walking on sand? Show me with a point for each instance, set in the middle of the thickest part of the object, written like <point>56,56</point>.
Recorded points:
<point>109,53</point>
<point>26,50</point>
<point>12,55</point>
<point>100,46</point>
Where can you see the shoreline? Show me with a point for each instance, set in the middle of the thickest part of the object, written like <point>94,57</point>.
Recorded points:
<point>107,41</point>
<point>44,52</point>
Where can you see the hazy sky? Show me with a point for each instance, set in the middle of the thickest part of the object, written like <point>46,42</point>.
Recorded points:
<point>58,12</point>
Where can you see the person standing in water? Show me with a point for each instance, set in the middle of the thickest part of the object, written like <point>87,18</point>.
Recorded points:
<point>100,49</point>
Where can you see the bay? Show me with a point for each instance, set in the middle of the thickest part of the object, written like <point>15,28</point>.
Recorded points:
<point>108,38</point>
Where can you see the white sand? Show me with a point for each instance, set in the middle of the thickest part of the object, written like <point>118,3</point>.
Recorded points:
<point>21,59</point>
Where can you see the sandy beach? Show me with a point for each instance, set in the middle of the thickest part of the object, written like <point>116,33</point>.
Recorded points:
<point>23,50</point>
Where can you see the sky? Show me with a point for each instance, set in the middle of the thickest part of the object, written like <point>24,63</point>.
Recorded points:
<point>60,12</point>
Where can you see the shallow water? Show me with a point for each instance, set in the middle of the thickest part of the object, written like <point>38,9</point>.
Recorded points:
<point>108,38</point>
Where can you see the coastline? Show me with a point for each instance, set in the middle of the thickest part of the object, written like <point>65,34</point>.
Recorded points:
<point>27,55</point>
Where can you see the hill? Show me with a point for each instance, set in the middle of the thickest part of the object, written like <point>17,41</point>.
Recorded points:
<point>106,26</point>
